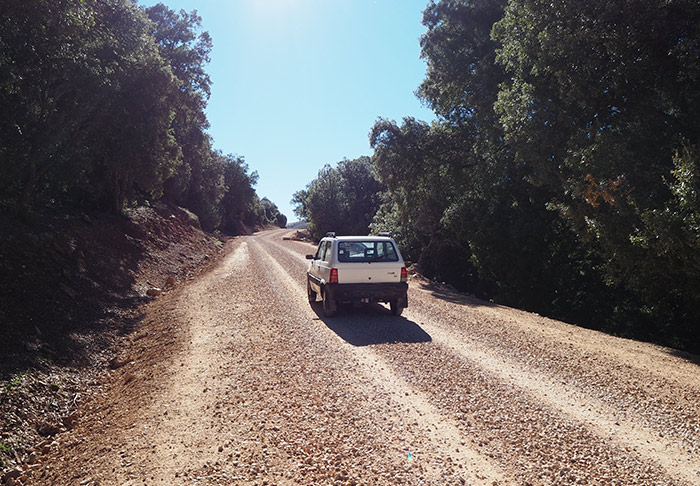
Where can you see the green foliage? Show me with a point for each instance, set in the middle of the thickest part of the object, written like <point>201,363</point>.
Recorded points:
<point>198,182</point>
<point>462,78</point>
<point>420,167</point>
<point>239,196</point>
<point>103,106</point>
<point>5,449</point>
<point>206,189</point>
<point>271,215</point>
<point>343,199</point>
<point>562,173</point>
<point>14,383</point>
<point>669,240</point>
<point>85,93</point>
<point>600,101</point>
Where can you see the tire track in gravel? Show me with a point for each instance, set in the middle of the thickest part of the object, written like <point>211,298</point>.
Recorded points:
<point>575,357</point>
<point>153,423</point>
<point>600,417</point>
<point>250,389</point>
<point>534,343</point>
<point>259,389</point>
<point>637,448</point>
<point>296,417</point>
<point>660,418</point>
<point>179,439</point>
<point>444,445</point>
<point>643,407</point>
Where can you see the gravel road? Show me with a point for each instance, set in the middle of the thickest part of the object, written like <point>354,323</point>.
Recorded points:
<point>234,378</point>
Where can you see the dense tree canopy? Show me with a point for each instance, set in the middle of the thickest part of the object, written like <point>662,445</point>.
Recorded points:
<point>69,97</point>
<point>601,102</point>
<point>562,172</point>
<point>343,199</point>
<point>103,106</point>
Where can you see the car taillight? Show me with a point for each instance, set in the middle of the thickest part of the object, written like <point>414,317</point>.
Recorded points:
<point>334,275</point>
<point>404,274</point>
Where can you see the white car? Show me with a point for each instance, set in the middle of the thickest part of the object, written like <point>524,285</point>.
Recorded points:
<point>349,269</point>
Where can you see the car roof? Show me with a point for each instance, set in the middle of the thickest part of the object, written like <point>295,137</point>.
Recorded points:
<point>360,238</point>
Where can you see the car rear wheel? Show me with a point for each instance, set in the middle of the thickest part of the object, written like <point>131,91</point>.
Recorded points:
<point>396,307</point>
<point>310,292</point>
<point>330,307</point>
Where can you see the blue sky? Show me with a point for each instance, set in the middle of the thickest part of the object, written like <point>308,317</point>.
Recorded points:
<point>299,83</point>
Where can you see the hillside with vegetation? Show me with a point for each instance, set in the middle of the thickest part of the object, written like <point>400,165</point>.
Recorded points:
<point>111,193</point>
<point>562,172</point>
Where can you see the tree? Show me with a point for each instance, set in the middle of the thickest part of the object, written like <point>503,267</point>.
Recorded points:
<point>68,79</point>
<point>239,195</point>
<point>103,106</point>
<point>361,190</point>
<point>207,188</point>
<point>323,205</point>
<point>48,92</point>
<point>300,202</point>
<point>462,78</point>
<point>601,100</point>
<point>343,199</point>
<point>271,214</point>
<point>416,163</point>
<point>670,238</point>
<point>187,52</point>
<point>455,187</point>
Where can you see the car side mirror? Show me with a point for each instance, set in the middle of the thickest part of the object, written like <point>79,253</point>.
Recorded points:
<point>309,257</point>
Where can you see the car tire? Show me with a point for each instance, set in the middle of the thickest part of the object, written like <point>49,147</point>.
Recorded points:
<point>396,309</point>
<point>330,307</point>
<point>310,292</point>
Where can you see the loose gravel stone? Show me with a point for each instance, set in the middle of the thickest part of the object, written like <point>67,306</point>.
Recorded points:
<point>238,380</point>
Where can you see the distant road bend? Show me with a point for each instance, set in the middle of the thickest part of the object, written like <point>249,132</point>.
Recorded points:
<point>235,379</point>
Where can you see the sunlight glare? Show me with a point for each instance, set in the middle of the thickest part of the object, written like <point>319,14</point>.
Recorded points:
<point>274,14</point>
<point>275,7</point>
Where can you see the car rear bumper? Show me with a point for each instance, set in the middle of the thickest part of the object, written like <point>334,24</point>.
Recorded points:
<point>375,292</point>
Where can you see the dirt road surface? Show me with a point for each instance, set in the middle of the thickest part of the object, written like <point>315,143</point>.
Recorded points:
<point>235,379</point>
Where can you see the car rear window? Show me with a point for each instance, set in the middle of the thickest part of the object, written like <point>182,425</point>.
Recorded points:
<point>367,251</point>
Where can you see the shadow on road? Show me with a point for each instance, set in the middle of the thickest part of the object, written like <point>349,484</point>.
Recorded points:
<point>372,324</point>
<point>449,294</point>
<point>686,356</point>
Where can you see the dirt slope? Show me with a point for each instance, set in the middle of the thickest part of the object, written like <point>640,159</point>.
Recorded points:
<point>70,293</point>
<point>235,379</point>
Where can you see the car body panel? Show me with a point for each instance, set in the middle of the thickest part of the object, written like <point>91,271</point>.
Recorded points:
<point>369,269</point>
